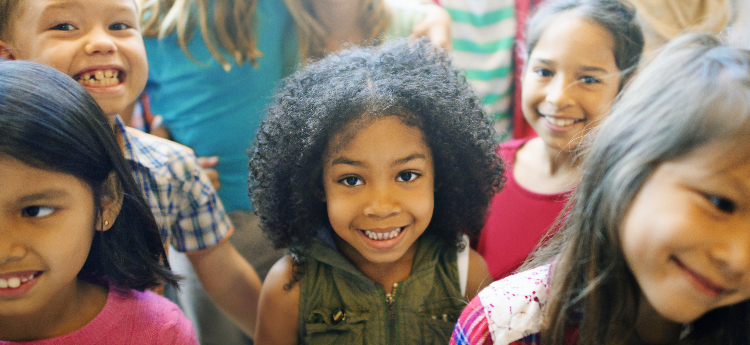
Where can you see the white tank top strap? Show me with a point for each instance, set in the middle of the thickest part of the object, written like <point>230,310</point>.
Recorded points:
<point>463,264</point>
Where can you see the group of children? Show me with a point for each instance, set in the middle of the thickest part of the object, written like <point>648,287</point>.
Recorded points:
<point>374,168</point>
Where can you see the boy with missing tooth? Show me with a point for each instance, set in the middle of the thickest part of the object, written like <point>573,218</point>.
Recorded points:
<point>98,43</point>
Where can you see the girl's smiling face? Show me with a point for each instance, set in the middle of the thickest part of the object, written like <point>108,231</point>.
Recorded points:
<point>46,230</point>
<point>569,81</point>
<point>379,190</point>
<point>686,235</point>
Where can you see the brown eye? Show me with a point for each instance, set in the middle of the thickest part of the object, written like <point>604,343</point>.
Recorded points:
<point>543,72</point>
<point>36,211</point>
<point>119,26</point>
<point>406,176</point>
<point>723,204</point>
<point>590,80</point>
<point>351,181</point>
<point>64,27</point>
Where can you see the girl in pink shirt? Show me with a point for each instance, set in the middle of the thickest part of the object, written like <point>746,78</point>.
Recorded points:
<point>78,245</point>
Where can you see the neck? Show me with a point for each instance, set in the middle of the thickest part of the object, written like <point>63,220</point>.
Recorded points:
<point>383,273</point>
<point>544,169</point>
<point>341,21</point>
<point>67,311</point>
<point>652,328</point>
<point>561,162</point>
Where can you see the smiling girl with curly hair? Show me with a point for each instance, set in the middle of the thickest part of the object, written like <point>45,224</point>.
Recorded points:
<point>369,168</point>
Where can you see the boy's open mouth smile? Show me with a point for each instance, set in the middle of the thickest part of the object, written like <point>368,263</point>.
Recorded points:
<point>383,235</point>
<point>99,77</point>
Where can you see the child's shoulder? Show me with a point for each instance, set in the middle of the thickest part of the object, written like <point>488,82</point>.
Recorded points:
<point>513,305</point>
<point>278,309</point>
<point>154,316</point>
<point>162,157</point>
<point>132,317</point>
<point>160,145</point>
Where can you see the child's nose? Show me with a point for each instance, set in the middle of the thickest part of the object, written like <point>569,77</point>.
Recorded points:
<point>734,255</point>
<point>559,92</point>
<point>10,248</point>
<point>100,42</point>
<point>382,203</point>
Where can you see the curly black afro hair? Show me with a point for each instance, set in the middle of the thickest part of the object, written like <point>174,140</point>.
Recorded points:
<point>411,80</point>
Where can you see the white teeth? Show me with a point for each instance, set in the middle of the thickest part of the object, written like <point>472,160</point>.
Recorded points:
<point>14,282</point>
<point>560,122</point>
<point>378,236</point>
<point>108,73</point>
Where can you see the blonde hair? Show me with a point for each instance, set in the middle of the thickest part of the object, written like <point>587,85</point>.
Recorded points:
<point>374,18</point>
<point>233,27</point>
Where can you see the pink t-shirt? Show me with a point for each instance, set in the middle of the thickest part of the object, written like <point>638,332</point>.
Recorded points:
<point>130,317</point>
<point>517,220</point>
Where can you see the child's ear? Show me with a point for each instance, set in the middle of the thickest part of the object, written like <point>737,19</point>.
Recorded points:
<point>111,202</point>
<point>6,51</point>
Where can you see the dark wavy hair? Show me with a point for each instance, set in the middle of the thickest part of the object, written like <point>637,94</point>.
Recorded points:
<point>411,80</point>
<point>615,16</point>
<point>49,121</point>
<point>695,92</point>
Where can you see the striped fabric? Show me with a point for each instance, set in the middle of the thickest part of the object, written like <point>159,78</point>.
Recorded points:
<point>185,205</point>
<point>472,328</point>
<point>483,36</point>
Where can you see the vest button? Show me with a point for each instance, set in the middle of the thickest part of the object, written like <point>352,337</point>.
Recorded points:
<point>338,316</point>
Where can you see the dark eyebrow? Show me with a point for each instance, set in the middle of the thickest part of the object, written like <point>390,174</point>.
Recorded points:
<point>411,157</point>
<point>48,194</point>
<point>583,68</point>
<point>593,69</point>
<point>544,61</point>
<point>347,161</point>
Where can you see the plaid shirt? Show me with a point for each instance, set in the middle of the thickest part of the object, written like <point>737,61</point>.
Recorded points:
<point>186,207</point>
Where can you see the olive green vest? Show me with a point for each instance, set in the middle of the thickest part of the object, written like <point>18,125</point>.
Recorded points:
<point>339,305</point>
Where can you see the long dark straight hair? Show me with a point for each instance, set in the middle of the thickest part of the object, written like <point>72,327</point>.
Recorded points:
<point>48,121</point>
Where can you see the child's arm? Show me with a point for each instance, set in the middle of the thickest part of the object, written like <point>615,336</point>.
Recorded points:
<point>478,277</point>
<point>436,26</point>
<point>230,282</point>
<point>278,309</point>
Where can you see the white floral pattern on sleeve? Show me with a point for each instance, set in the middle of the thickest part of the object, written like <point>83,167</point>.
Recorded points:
<point>513,305</point>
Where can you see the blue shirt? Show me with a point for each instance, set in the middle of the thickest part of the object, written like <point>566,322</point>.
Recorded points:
<point>215,112</point>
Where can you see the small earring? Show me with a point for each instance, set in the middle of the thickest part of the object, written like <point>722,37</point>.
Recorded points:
<point>106,223</point>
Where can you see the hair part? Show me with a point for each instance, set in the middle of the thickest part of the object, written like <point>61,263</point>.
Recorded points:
<point>49,121</point>
<point>233,27</point>
<point>410,80</point>
<point>696,92</point>
<point>374,16</point>
<point>615,16</point>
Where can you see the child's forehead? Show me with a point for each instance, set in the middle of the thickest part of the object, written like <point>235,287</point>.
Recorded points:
<point>77,4</point>
<point>341,137</point>
<point>719,156</point>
